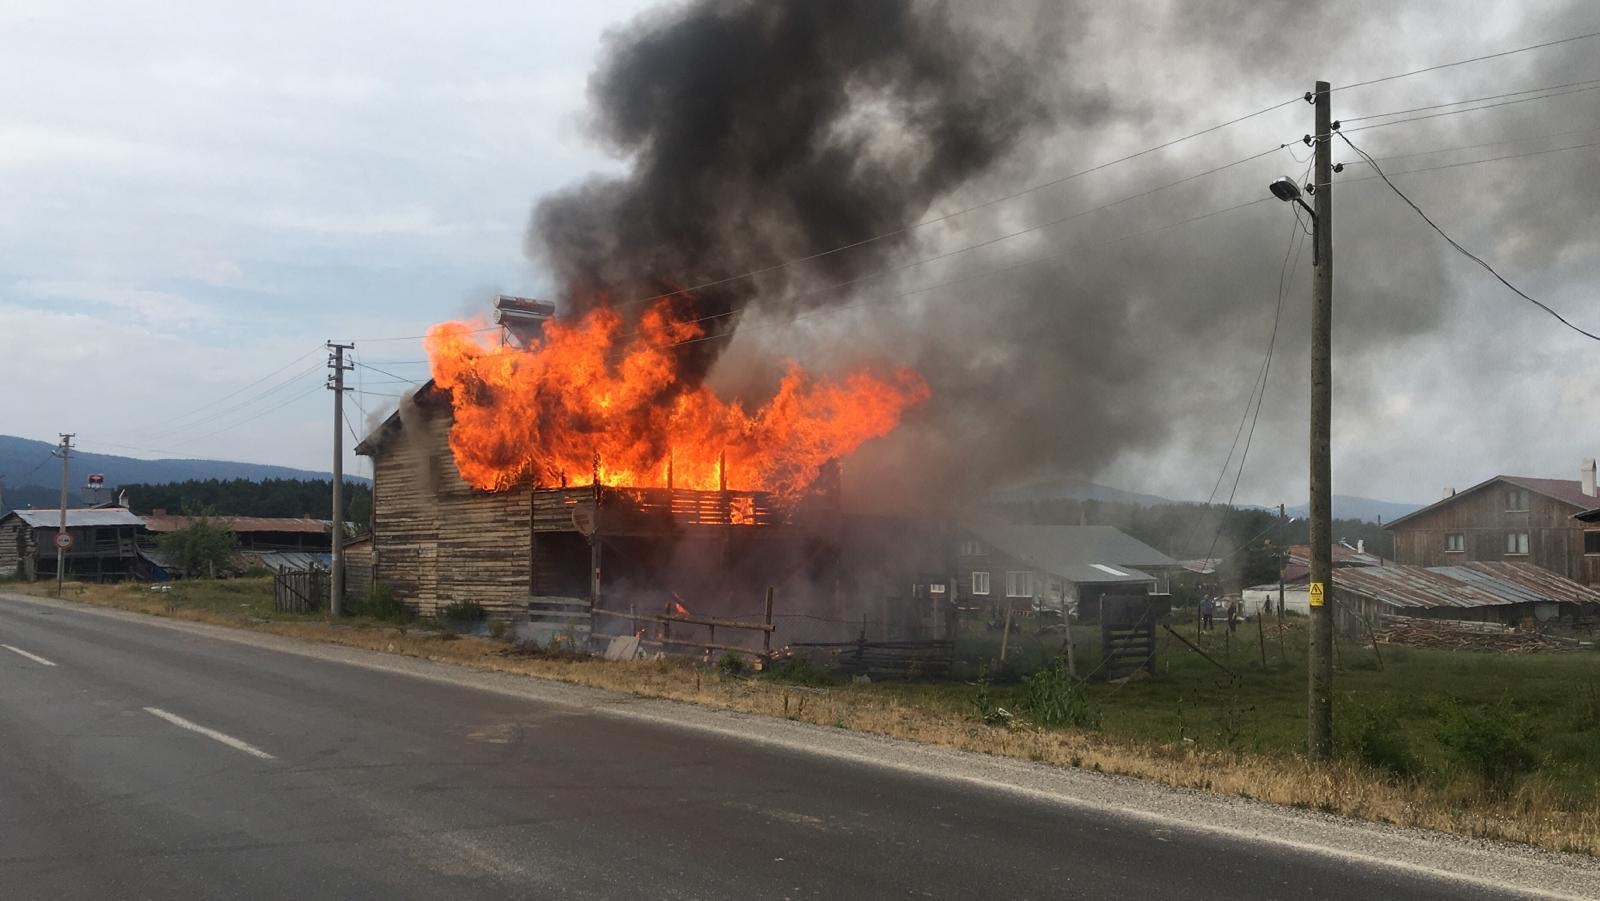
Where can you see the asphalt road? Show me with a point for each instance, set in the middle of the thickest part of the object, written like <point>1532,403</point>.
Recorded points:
<point>150,761</point>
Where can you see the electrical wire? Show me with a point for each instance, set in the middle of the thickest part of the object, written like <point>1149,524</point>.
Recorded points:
<point>1462,62</point>
<point>1438,150</point>
<point>1285,276</point>
<point>236,392</point>
<point>1473,109</point>
<point>1462,250</point>
<point>273,409</point>
<point>212,418</point>
<point>1434,106</point>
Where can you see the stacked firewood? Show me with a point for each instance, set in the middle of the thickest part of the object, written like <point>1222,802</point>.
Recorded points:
<point>1452,636</point>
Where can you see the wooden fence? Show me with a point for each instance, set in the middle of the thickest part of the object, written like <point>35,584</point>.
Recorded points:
<point>303,591</point>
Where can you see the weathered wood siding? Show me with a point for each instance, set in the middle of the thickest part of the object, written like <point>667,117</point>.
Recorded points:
<point>437,540</point>
<point>1481,517</point>
<point>16,549</point>
<point>358,571</point>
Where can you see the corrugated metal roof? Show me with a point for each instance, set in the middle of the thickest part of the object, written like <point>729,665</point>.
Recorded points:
<point>1066,545</point>
<point>1465,585</point>
<point>109,516</point>
<point>295,561</point>
<point>1102,574</point>
<point>167,522</point>
<point>1540,583</point>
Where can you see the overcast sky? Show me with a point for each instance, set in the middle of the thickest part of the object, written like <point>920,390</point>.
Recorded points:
<point>195,195</point>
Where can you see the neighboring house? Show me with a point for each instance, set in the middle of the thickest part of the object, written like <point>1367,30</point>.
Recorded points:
<point>1066,568</point>
<point>1511,519</point>
<point>104,544</point>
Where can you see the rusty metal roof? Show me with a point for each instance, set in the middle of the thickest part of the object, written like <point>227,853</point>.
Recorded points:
<point>1465,585</point>
<point>171,523</point>
<point>1538,583</point>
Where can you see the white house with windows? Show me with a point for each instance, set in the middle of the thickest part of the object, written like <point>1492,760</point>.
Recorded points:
<point>1046,567</point>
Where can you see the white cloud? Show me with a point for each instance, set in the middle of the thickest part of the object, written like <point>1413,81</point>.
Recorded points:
<point>155,308</point>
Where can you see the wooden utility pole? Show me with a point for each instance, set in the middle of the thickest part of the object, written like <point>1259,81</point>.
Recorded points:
<point>1319,701</point>
<point>337,363</point>
<point>1283,548</point>
<point>61,531</point>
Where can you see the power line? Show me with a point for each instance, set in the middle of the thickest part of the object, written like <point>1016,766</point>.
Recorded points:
<point>1438,150</point>
<point>390,374</point>
<point>1433,106</point>
<point>1462,250</point>
<point>228,428</point>
<point>237,391</point>
<point>1474,109</point>
<point>1462,62</point>
<point>212,418</point>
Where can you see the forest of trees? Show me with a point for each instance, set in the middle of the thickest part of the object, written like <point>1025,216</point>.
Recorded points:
<point>243,497</point>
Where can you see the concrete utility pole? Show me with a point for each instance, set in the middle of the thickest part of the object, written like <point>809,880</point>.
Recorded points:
<point>337,363</point>
<point>61,531</point>
<point>1319,704</point>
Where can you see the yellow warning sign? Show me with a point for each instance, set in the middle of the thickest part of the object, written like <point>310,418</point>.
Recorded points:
<point>1316,594</point>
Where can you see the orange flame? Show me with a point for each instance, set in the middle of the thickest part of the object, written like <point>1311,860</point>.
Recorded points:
<point>587,400</point>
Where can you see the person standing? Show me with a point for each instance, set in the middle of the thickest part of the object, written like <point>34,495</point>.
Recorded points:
<point>1233,616</point>
<point>1207,608</point>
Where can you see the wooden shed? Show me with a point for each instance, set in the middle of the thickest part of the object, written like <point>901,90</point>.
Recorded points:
<point>104,544</point>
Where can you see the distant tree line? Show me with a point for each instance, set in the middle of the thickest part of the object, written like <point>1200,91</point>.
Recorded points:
<point>244,497</point>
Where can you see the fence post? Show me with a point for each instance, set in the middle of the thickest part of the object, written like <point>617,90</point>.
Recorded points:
<point>766,637</point>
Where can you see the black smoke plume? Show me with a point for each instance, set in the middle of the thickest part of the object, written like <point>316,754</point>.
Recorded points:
<point>759,132</point>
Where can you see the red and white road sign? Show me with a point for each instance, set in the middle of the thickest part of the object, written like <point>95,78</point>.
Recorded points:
<point>64,540</point>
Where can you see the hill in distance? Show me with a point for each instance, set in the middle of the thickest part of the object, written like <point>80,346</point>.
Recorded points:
<point>1345,506</point>
<point>32,474</point>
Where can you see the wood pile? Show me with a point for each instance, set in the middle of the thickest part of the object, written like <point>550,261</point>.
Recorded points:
<point>1453,636</point>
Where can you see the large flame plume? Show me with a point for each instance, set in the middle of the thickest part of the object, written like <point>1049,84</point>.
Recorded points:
<point>591,398</point>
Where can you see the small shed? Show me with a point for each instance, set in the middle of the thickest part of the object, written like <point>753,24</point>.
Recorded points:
<point>104,544</point>
<point>1497,592</point>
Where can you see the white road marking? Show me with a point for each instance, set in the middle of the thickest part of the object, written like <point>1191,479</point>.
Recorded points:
<point>212,734</point>
<point>34,657</point>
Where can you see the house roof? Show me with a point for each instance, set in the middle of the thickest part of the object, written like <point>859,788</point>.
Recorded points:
<point>98,516</point>
<point>1588,515</point>
<point>375,439</point>
<point>168,522</point>
<point>1567,491</point>
<point>1466,585</point>
<point>1078,553</point>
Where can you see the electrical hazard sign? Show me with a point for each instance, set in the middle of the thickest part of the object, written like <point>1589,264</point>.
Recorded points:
<point>1316,594</point>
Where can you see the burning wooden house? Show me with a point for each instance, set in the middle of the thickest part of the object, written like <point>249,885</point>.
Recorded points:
<point>579,480</point>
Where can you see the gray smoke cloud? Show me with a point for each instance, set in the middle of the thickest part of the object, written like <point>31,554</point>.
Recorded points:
<point>763,132</point>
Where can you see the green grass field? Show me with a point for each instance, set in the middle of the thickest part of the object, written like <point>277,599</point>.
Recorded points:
<point>1449,719</point>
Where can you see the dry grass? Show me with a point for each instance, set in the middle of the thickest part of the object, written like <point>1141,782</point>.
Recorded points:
<point>1530,814</point>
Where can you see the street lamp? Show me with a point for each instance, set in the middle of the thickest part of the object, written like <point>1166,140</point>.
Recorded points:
<point>1286,190</point>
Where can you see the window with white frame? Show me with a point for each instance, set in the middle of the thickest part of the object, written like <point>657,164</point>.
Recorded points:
<point>1019,584</point>
<point>1516,500</point>
<point>1516,542</point>
<point>1455,543</point>
<point>971,549</point>
<point>980,583</point>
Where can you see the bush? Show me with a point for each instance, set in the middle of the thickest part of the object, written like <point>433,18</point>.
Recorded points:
<point>1494,741</point>
<point>381,604</point>
<point>798,671</point>
<point>462,612</point>
<point>989,712</point>
<point>731,664</point>
<point>1054,699</point>
<point>1372,739</point>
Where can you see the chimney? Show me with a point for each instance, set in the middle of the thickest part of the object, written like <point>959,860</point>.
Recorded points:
<point>1449,492</point>
<point>1588,477</point>
<point>1361,545</point>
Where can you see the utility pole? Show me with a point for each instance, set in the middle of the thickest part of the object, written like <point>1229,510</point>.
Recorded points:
<point>337,363</point>
<point>1319,701</point>
<point>61,531</point>
<point>1283,534</point>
